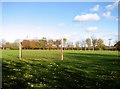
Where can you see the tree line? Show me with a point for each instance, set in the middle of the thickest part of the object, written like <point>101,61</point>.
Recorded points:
<point>50,44</point>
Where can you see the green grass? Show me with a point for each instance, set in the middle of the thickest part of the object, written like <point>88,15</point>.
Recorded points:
<point>45,70</point>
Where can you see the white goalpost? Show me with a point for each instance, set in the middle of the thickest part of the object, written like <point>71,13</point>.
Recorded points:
<point>62,49</point>
<point>20,50</point>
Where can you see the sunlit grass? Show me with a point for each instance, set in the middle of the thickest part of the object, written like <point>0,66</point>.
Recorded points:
<point>79,69</point>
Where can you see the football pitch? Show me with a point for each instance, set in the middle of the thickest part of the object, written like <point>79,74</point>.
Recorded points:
<point>43,69</point>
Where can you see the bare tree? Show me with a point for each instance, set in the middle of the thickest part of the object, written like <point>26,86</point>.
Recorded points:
<point>64,42</point>
<point>100,43</point>
<point>77,44</point>
<point>49,43</point>
<point>57,43</point>
<point>43,43</point>
<point>83,44</point>
<point>94,42</point>
<point>88,42</point>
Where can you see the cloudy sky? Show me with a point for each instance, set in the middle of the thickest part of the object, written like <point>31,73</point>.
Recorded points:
<point>73,20</point>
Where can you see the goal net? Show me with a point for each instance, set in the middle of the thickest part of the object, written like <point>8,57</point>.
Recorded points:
<point>41,49</point>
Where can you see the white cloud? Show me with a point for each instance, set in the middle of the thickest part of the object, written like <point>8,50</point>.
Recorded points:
<point>92,28</point>
<point>107,14</point>
<point>114,5</point>
<point>109,7</point>
<point>86,17</point>
<point>61,24</point>
<point>95,8</point>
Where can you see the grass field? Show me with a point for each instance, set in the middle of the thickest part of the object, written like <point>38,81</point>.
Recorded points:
<point>44,70</point>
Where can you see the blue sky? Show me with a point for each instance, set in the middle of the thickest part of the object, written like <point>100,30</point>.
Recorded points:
<point>75,21</point>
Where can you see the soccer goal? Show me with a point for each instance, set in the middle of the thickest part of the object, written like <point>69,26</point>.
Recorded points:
<point>41,49</point>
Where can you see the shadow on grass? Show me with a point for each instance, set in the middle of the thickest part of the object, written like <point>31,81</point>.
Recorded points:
<point>77,71</point>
